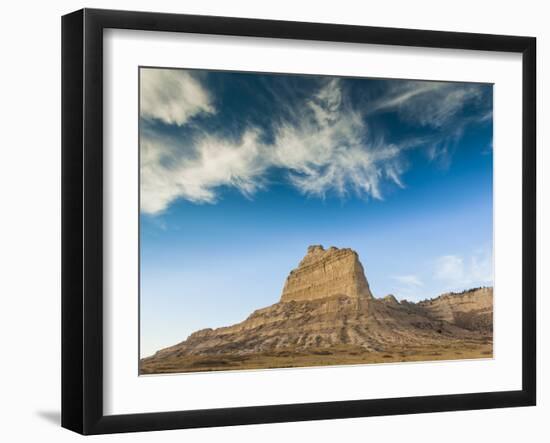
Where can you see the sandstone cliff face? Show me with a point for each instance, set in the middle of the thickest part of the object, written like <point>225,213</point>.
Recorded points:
<point>325,273</point>
<point>327,302</point>
<point>471,309</point>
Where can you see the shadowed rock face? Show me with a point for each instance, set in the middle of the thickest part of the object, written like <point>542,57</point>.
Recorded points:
<point>325,273</point>
<point>327,302</point>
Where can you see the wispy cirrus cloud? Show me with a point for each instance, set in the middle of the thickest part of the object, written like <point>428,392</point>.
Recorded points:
<point>325,148</point>
<point>433,104</point>
<point>440,106</point>
<point>329,149</point>
<point>172,96</point>
<point>322,141</point>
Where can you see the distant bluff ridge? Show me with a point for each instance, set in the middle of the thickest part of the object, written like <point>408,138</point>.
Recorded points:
<point>326,301</point>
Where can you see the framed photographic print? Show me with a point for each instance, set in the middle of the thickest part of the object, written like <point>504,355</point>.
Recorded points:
<point>270,221</point>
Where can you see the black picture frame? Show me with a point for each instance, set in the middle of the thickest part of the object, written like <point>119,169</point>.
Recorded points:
<point>82,221</point>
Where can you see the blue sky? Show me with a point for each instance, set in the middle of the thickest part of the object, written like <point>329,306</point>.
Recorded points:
<point>240,172</point>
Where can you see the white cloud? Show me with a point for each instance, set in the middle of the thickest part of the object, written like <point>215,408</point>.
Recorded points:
<point>329,149</point>
<point>326,148</point>
<point>172,96</point>
<point>166,174</point>
<point>450,268</point>
<point>428,103</point>
<point>402,94</point>
<point>409,287</point>
<point>456,272</point>
<point>447,273</point>
<point>438,105</point>
<point>324,144</point>
<point>409,280</point>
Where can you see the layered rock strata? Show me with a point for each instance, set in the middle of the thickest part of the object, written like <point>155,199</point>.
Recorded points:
<point>472,309</point>
<point>326,302</point>
<point>324,273</point>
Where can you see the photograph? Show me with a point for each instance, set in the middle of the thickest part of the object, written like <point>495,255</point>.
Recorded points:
<point>290,220</point>
<point>246,222</point>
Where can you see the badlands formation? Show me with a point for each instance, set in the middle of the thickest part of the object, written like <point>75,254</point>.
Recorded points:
<point>327,315</point>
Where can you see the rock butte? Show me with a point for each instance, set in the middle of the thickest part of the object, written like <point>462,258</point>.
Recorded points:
<point>326,302</point>
<point>324,273</point>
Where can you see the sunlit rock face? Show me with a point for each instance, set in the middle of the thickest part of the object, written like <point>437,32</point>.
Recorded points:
<point>471,309</point>
<point>325,273</point>
<point>327,304</point>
